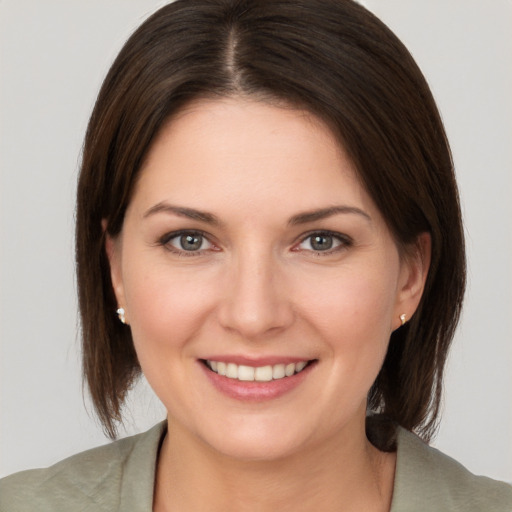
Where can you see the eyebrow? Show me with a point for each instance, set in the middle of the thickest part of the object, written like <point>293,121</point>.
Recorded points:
<point>189,213</point>
<point>323,213</point>
<point>210,218</point>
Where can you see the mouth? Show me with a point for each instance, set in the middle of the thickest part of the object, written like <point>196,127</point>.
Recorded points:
<point>265,373</point>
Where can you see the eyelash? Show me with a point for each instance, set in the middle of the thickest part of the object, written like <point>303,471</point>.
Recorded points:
<point>165,241</point>
<point>344,242</point>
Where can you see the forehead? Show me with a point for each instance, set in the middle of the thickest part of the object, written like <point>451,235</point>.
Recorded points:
<point>254,152</point>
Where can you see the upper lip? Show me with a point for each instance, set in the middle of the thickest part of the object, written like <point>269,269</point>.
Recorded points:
<point>256,361</point>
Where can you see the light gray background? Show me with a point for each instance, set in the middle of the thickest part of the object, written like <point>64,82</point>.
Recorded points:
<point>53,57</point>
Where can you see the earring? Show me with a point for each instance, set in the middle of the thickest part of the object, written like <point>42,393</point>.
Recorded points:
<point>403,318</point>
<point>121,314</point>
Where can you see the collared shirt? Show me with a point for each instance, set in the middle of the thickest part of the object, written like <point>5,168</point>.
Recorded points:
<point>120,477</point>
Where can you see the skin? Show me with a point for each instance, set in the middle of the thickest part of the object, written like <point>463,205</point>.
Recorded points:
<point>256,288</point>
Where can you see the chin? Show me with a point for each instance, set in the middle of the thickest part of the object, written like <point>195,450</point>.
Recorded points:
<point>261,448</point>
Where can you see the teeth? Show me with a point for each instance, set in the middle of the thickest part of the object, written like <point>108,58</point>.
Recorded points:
<point>232,371</point>
<point>300,366</point>
<point>278,371</point>
<point>263,373</point>
<point>289,369</point>
<point>244,372</point>
<point>259,373</point>
<point>221,368</point>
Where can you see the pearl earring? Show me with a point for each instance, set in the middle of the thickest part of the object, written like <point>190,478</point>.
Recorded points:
<point>121,314</point>
<point>403,318</point>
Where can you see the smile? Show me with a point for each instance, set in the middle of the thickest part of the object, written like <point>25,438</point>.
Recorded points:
<point>256,374</point>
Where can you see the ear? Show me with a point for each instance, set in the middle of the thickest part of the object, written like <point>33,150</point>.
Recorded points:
<point>113,252</point>
<point>413,275</point>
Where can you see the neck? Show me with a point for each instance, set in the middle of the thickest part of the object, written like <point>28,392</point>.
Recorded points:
<point>339,475</point>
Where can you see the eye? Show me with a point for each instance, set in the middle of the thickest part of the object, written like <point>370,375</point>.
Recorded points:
<point>324,242</point>
<point>187,242</point>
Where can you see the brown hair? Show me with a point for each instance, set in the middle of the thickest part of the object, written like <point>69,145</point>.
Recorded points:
<point>333,58</point>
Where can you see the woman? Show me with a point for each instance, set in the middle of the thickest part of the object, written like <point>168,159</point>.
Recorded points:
<point>267,201</point>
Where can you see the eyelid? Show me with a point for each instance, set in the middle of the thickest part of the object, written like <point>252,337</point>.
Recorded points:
<point>345,241</point>
<point>165,240</point>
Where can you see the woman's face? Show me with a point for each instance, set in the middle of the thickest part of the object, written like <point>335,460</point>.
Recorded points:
<point>250,248</point>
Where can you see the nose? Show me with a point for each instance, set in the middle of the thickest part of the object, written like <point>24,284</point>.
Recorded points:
<point>255,301</point>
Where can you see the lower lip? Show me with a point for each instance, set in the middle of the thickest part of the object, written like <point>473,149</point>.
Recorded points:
<point>253,391</point>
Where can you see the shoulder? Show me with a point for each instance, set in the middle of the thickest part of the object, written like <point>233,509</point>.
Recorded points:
<point>427,479</point>
<point>97,479</point>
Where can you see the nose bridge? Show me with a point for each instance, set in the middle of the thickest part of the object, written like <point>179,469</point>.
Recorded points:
<point>255,301</point>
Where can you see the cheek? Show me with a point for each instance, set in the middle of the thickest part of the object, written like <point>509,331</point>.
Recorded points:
<point>350,302</point>
<point>352,313</point>
<point>167,309</point>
